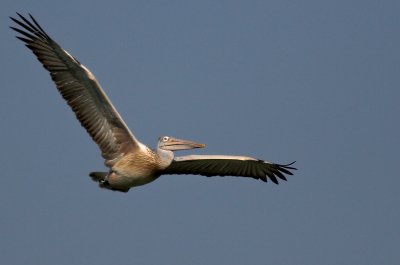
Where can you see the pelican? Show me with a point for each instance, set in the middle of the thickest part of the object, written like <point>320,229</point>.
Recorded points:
<point>130,162</point>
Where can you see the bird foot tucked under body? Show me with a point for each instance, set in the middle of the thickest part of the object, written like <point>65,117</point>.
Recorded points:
<point>102,179</point>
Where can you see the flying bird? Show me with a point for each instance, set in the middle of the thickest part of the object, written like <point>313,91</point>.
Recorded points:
<point>130,162</point>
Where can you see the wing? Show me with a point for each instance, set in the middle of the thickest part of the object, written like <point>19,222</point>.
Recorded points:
<point>240,166</point>
<point>80,89</point>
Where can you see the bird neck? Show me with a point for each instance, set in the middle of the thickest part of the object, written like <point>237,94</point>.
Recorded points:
<point>165,157</point>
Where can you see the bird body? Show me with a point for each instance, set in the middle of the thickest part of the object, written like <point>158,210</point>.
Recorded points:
<point>135,169</point>
<point>130,162</point>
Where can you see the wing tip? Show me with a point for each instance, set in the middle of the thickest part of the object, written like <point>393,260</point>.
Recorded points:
<point>279,171</point>
<point>31,26</point>
<point>287,166</point>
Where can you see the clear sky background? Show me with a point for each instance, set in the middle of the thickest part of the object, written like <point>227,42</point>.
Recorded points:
<point>313,81</point>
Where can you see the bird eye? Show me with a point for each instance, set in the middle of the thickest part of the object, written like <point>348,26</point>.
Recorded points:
<point>165,138</point>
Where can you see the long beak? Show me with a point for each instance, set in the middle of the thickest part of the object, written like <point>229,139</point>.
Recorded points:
<point>174,144</point>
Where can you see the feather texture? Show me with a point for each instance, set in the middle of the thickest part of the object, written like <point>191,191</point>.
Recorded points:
<point>209,165</point>
<point>81,90</point>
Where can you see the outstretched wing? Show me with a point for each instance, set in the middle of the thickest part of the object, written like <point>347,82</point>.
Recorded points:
<point>81,90</point>
<point>240,166</point>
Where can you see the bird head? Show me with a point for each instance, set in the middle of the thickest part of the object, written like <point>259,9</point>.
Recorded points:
<point>173,144</point>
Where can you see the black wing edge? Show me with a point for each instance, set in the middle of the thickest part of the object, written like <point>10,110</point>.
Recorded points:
<point>286,167</point>
<point>277,171</point>
<point>33,31</point>
<point>267,170</point>
<point>32,27</point>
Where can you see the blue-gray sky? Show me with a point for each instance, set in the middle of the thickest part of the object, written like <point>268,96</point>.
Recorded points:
<point>312,81</point>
